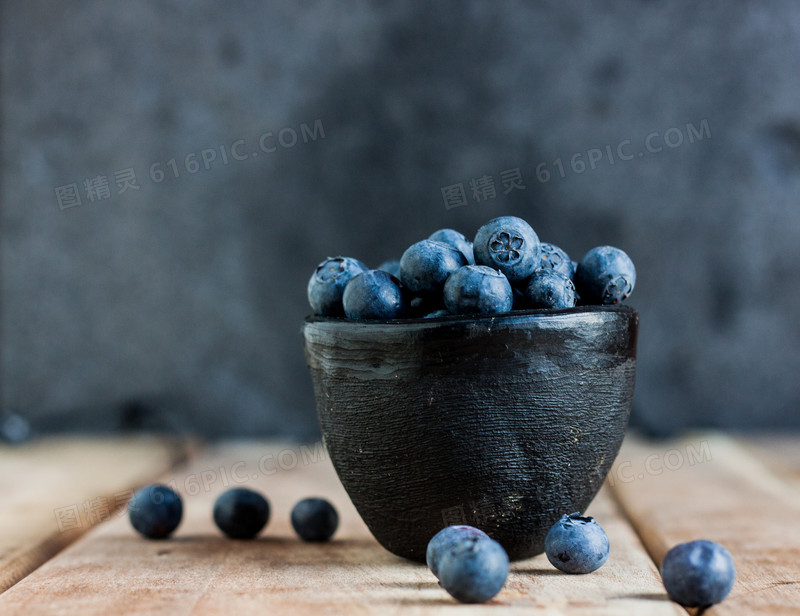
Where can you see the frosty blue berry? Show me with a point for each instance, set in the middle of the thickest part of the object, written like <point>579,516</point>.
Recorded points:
<point>576,544</point>
<point>508,244</point>
<point>698,573</point>
<point>327,283</point>
<point>155,511</point>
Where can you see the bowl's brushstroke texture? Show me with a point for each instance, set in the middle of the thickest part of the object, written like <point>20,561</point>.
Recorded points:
<point>514,420</point>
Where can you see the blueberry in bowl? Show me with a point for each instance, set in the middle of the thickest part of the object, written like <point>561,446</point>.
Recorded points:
<point>501,421</point>
<point>509,244</point>
<point>473,393</point>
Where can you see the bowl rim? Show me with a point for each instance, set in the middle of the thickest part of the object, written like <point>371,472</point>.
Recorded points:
<point>532,313</point>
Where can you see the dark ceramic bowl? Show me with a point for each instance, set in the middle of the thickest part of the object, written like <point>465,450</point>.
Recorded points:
<point>504,423</point>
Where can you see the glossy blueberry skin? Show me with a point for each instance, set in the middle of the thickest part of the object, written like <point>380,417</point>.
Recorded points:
<point>576,544</point>
<point>508,244</point>
<point>456,240</point>
<point>698,573</point>
<point>477,289</point>
<point>327,283</point>
<point>155,511</point>
<point>314,519</point>
<point>426,265</point>
<point>446,539</point>
<point>241,513</point>
<point>549,289</point>
<point>605,275</point>
<point>474,570</point>
<point>374,294</point>
<point>553,258</point>
<point>391,267</point>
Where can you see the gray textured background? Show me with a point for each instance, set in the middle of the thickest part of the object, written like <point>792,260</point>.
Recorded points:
<point>180,305</point>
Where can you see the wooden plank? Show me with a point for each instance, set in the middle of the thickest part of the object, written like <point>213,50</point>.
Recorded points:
<point>55,489</point>
<point>779,452</point>
<point>709,487</point>
<point>111,571</point>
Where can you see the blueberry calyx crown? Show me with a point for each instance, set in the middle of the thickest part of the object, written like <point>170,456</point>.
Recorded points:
<point>617,290</point>
<point>575,519</point>
<point>330,269</point>
<point>506,247</point>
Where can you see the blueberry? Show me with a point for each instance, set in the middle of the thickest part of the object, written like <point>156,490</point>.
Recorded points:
<point>425,266</point>
<point>155,511</point>
<point>241,513</point>
<point>509,244</point>
<point>456,240</point>
<point>447,538</point>
<point>14,428</point>
<point>555,259</point>
<point>390,267</point>
<point>605,275</point>
<point>314,519</point>
<point>327,283</point>
<point>576,544</point>
<point>374,294</point>
<point>477,289</point>
<point>698,573</point>
<point>549,289</point>
<point>474,570</point>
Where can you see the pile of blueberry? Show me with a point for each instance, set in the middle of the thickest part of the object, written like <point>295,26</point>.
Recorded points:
<point>473,568</point>
<point>156,510</point>
<point>505,267</point>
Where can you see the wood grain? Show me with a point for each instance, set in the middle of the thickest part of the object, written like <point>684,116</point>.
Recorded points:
<point>54,490</point>
<point>778,452</point>
<point>710,487</point>
<point>112,571</point>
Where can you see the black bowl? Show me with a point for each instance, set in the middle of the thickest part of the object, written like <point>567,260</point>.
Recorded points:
<point>504,422</point>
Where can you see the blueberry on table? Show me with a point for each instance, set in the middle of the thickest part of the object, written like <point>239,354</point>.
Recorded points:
<point>605,275</point>
<point>374,294</point>
<point>391,267</point>
<point>508,244</point>
<point>448,538</point>
<point>477,289</point>
<point>241,513</point>
<point>553,258</point>
<point>426,265</point>
<point>456,240</point>
<point>698,573</point>
<point>327,283</point>
<point>155,511</point>
<point>314,519</point>
<point>576,544</point>
<point>474,569</point>
<point>14,428</point>
<point>549,289</point>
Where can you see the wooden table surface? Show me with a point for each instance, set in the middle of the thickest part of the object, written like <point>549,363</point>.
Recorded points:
<point>66,546</point>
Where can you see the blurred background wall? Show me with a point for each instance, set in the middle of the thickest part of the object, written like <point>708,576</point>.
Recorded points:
<point>172,172</point>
